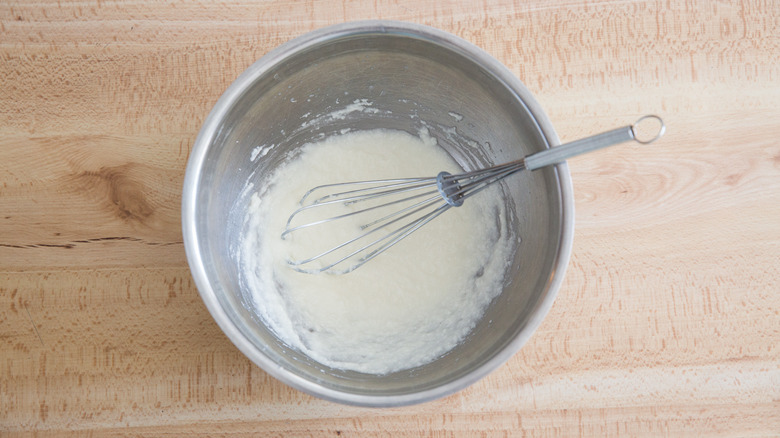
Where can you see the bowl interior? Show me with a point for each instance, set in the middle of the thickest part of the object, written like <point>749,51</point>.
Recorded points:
<point>408,81</point>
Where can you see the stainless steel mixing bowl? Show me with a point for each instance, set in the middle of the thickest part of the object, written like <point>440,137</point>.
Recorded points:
<point>410,76</point>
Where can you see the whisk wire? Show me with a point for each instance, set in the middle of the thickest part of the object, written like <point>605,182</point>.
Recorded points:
<point>404,231</point>
<point>409,229</point>
<point>345,201</point>
<point>421,204</point>
<point>388,186</point>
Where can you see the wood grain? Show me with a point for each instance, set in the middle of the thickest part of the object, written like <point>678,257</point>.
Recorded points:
<point>668,322</point>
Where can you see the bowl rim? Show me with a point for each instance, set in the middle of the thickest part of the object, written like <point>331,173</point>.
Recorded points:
<point>233,93</point>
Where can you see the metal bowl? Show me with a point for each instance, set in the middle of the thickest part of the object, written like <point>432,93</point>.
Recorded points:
<point>412,76</point>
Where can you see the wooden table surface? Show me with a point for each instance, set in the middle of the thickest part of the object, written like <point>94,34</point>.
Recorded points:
<point>668,322</point>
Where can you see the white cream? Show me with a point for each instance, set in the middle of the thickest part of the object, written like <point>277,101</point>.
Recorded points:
<point>403,309</point>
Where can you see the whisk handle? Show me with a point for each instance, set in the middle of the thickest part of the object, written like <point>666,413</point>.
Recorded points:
<point>561,153</point>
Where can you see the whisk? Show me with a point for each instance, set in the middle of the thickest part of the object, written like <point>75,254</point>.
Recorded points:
<point>375,215</point>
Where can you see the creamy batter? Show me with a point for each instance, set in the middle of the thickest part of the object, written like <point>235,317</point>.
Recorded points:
<point>403,309</point>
